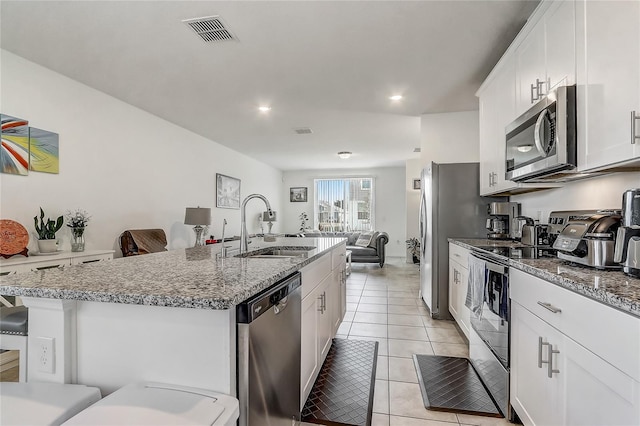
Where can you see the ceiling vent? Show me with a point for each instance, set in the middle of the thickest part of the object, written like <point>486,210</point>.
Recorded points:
<point>417,150</point>
<point>210,29</point>
<point>303,131</point>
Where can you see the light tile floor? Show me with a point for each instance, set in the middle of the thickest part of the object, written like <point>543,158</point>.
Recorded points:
<point>383,305</point>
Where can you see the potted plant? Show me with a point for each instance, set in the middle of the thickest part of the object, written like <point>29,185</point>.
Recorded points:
<point>47,242</point>
<point>413,245</point>
<point>77,220</point>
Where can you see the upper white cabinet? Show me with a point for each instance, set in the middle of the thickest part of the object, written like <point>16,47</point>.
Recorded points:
<point>546,57</point>
<point>497,109</point>
<point>608,82</point>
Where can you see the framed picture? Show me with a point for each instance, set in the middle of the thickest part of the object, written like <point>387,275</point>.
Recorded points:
<point>416,184</point>
<point>298,194</point>
<point>227,192</point>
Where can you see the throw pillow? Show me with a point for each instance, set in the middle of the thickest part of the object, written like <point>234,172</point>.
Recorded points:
<point>374,240</point>
<point>352,238</point>
<point>364,239</point>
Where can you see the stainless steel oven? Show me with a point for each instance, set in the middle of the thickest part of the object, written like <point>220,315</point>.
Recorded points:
<point>489,340</point>
<point>541,143</point>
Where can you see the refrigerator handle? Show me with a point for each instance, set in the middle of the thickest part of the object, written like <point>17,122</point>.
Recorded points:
<point>423,225</point>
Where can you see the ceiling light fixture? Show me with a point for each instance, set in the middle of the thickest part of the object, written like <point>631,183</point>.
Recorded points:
<point>344,154</point>
<point>395,97</point>
<point>264,108</point>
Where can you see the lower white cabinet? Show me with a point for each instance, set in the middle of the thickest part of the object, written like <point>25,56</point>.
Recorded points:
<point>458,277</point>
<point>323,308</point>
<point>554,379</point>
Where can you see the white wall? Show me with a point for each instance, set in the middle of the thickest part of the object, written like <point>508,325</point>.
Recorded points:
<point>414,168</point>
<point>129,169</point>
<point>596,193</point>
<point>390,201</point>
<point>450,137</point>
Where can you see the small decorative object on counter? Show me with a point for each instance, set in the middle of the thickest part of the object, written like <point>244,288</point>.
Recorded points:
<point>303,221</point>
<point>47,242</point>
<point>413,245</point>
<point>77,220</point>
<point>14,239</point>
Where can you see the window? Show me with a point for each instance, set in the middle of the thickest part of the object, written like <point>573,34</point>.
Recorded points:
<point>344,204</point>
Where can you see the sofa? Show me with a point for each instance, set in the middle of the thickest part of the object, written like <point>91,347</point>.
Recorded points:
<point>372,253</point>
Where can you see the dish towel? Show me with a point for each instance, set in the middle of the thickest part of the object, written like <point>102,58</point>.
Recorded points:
<point>475,285</point>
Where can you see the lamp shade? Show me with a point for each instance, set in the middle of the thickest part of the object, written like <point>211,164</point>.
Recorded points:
<point>197,216</point>
<point>267,218</point>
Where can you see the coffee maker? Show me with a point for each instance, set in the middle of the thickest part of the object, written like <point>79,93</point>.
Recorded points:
<point>499,223</point>
<point>627,250</point>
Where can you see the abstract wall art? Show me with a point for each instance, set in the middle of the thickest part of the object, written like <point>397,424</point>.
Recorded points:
<point>227,192</point>
<point>44,151</point>
<point>14,152</point>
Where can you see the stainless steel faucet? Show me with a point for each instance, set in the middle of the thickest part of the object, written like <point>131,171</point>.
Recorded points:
<point>244,237</point>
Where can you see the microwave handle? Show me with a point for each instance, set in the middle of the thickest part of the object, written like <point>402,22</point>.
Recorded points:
<point>536,133</point>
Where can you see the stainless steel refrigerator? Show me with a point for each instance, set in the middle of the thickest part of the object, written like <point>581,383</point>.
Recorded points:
<point>450,207</point>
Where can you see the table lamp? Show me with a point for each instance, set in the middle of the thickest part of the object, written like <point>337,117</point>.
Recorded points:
<point>270,218</point>
<point>200,217</point>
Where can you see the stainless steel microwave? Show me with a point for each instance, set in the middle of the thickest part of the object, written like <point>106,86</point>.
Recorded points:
<point>541,143</point>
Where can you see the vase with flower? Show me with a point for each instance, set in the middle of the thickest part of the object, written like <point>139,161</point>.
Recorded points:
<point>77,221</point>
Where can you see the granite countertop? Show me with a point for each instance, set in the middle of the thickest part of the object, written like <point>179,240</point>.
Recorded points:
<point>611,287</point>
<point>187,278</point>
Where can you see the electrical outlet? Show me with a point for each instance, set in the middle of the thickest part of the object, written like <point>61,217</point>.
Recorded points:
<point>46,354</point>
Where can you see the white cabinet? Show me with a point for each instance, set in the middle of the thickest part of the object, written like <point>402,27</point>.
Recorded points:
<point>567,366</point>
<point>546,57</point>
<point>458,277</point>
<point>323,308</point>
<point>608,82</point>
<point>19,264</point>
<point>497,110</point>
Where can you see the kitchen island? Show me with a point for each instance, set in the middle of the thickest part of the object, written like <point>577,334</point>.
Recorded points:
<point>167,317</point>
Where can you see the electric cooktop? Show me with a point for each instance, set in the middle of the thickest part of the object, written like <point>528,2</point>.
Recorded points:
<point>521,252</point>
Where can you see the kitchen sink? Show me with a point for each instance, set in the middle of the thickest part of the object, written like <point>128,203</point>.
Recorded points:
<point>278,252</point>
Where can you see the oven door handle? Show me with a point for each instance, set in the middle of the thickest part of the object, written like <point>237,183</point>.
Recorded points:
<point>492,264</point>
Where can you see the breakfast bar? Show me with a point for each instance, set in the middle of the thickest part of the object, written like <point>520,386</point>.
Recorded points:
<point>168,317</point>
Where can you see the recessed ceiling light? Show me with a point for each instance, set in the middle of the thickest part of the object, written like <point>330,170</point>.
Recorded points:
<point>395,97</point>
<point>264,108</point>
<point>344,154</point>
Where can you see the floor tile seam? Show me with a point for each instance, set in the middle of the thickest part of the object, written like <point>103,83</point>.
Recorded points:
<point>422,418</point>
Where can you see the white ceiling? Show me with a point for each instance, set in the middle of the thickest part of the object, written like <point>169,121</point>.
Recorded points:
<point>327,65</point>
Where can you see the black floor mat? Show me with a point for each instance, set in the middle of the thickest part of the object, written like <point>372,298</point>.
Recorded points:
<point>451,384</point>
<point>343,392</point>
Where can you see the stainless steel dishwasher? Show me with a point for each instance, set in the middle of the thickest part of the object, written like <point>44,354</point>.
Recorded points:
<point>269,355</point>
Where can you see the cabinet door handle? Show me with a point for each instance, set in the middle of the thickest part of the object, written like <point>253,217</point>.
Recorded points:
<point>539,88</point>
<point>550,369</point>
<point>540,345</point>
<point>550,307</point>
<point>634,116</point>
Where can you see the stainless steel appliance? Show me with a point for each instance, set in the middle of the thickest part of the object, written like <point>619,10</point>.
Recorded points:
<point>500,223</point>
<point>517,223</point>
<point>536,235</point>
<point>541,143</point>
<point>489,339</point>
<point>627,250</point>
<point>269,355</point>
<point>450,207</point>
<point>588,238</point>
